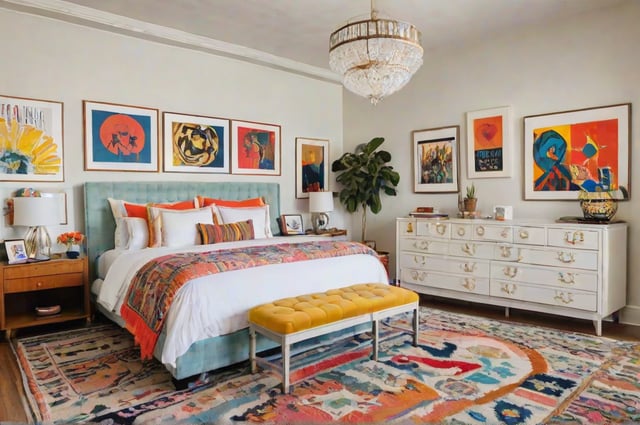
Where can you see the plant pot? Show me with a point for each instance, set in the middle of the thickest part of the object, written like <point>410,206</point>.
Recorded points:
<point>470,204</point>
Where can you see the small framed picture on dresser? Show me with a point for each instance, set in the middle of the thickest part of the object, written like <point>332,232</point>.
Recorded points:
<point>16,251</point>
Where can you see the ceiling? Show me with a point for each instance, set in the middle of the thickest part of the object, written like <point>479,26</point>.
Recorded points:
<point>297,31</point>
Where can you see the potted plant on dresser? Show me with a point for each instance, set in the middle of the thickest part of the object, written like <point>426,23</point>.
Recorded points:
<point>364,175</point>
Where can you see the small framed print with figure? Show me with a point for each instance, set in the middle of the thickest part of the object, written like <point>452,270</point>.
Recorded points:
<point>292,224</point>
<point>16,251</point>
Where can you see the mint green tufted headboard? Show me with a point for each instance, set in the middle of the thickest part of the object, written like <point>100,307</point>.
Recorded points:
<point>100,225</point>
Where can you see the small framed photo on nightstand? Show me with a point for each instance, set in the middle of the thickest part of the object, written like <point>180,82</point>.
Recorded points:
<point>291,224</point>
<point>16,251</point>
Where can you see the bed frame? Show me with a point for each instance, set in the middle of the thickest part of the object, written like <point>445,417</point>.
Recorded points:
<point>205,355</point>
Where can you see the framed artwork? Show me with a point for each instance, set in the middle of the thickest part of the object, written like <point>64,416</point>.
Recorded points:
<point>292,224</point>
<point>195,143</point>
<point>312,166</point>
<point>33,148</point>
<point>435,159</point>
<point>120,137</point>
<point>489,143</point>
<point>256,148</point>
<point>585,149</point>
<point>61,197</point>
<point>16,251</point>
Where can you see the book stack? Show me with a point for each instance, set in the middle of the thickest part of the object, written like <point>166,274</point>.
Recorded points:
<point>427,212</point>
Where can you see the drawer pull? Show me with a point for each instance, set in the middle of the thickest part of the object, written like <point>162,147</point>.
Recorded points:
<point>569,278</point>
<point>469,283</point>
<point>469,249</point>
<point>566,257</point>
<point>409,227</point>
<point>524,234</point>
<point>563,297</point>
<point>441,228</point>
<point>508,288</point>
<point>505,251</point>
<point>421,244</point>
<point>574,238</point>
<point>39,284</point>
<point>480,230</point>
<point>419,259</point>
<point>469,268</point>
<point>510,271</point>
<point>504,234</point>
<point>420,276</point>
<point>461,231</point>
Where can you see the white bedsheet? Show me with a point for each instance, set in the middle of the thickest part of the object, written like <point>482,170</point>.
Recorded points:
<point>217,304</point>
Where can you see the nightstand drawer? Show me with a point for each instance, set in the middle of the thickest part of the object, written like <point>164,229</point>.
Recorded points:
<point>45,268</point>
<point>37,283</point>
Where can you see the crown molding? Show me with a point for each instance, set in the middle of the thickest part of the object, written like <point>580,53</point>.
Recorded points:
<point>86,16</point>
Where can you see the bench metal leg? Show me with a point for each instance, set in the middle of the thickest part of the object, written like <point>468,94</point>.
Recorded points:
<point>374,336</point>
<point>416,320</point>
<point>286,353</point>
<point>252,349</point>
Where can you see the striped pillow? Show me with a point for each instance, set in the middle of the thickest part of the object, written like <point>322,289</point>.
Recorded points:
<point>230,232</point>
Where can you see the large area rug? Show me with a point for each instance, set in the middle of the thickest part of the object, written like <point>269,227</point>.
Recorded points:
<point>466,370</point>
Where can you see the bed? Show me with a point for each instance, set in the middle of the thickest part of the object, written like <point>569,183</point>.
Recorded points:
<point>185,347</point>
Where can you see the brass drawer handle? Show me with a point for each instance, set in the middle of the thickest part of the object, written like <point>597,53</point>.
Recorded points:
<point>505,251</point>
<point>563,297</point>
<point>461,231</point>
<point>508,288</point>
<point>469,283</point>
<point>469,249</point>
<point>468,268</point>
<point>569,278</point>
<point>480,230</point>
<point>573,238</point>
<point>421,244</point>
<point>524,234</point>
<point>421,276</point>
<point>504,234</point>
<point>566,257</point>
<point>419,259</point>
<point>510,271</point>
<point>441,228</point>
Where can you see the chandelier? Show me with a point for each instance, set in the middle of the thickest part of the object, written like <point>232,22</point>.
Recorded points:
<point>375,57</point>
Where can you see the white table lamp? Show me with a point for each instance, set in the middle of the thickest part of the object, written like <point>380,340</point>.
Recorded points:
<point>36,213</point>
<point>320,203</point>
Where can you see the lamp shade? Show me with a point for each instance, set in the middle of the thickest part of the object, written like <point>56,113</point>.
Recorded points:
<point>320,202</point>
<point>35,211</point>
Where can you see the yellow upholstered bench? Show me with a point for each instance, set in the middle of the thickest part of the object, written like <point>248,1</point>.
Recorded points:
<point>291,320</point>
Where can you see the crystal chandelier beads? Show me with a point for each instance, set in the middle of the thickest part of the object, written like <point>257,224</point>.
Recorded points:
<point>375,57</point>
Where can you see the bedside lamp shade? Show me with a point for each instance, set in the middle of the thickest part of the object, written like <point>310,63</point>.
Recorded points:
<point>36,213</point>
<point>320,203</point>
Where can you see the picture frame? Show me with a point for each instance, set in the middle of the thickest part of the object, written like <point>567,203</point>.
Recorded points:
<point>312,166</point>
<point>195,143</point>
<point>16,251</point>
<point>489,143</point>
<point>292,224</point>
<point>435,159</point>
<point>256,148</point>
<point>120,137</point>
<point>567,151</point>
<point>41,121</point>
<point>62,204</point>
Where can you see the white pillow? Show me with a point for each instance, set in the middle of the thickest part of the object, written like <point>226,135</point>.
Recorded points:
<point>179,227</point>
<point>131,233</point>
<point>259,215</point>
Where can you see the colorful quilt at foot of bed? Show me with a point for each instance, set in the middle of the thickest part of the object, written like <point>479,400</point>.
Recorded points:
<point>154,286</point>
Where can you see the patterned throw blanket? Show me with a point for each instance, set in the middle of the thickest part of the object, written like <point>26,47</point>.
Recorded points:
<point>154,286</point>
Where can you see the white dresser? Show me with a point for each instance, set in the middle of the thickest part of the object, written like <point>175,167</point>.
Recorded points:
<point>577,270</point>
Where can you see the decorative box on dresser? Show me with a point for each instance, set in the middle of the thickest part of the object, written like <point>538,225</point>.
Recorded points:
<point>56,282</point>
<point>569,269</point>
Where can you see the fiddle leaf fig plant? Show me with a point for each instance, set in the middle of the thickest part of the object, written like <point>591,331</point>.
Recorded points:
<point>364,176</point>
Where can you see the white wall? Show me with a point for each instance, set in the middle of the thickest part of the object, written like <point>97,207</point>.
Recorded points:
<point>587,61</point>
<point>54,60</point>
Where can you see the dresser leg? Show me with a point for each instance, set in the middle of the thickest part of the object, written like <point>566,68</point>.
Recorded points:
<point>7,334</point>
<point>598,325</point>
<point>506,312</point>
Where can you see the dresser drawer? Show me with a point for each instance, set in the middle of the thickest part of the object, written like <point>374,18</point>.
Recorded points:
<point>472,285</point>
<point>433,228</point>
<point>490,232</point>
<point>569,298</point>
<point>37,283</point>
<point>545,276</point>
<point>424,245</point>
<point>558,257</point>
<point>467,267</point>
<point>529,235</point>
<point>573,238</point>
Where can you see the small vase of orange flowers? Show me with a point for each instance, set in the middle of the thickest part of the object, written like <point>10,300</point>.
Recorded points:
<point>72,240</point>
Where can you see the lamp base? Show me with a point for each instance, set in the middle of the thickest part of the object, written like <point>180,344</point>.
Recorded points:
<point>38,243</point>
<point>319,222</point>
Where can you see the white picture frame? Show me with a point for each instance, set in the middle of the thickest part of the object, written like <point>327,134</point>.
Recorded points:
<point>489,143</point>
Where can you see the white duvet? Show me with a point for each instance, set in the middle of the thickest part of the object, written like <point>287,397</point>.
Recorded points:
<point>217,304</point>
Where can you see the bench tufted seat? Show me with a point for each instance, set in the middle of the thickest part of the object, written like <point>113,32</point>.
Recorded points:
<point>290,320</point>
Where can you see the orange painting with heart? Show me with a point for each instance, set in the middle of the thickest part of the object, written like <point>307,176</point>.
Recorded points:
<point>487,132</point>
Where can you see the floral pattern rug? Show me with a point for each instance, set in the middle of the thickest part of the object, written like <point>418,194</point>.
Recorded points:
<point>465,370</point>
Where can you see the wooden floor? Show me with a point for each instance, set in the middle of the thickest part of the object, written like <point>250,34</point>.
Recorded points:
<point>11,390</point>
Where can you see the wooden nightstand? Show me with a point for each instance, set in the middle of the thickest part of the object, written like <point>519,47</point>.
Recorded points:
<point>23,287</point>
